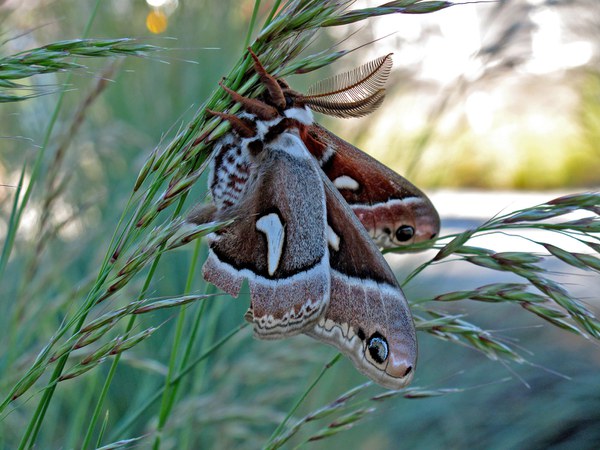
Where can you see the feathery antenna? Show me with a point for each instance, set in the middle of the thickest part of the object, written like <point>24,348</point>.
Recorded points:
<point>351,94</point>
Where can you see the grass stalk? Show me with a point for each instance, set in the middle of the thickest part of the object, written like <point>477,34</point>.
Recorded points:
<point>170,391</point>
<point>172,388</point>
<point>117,358</point>
<point>272,13</point>
<point>38,417</point>
<point>186,371</point>
<point>35,172</point>
<point>271,442</point>
<point>252,23</point>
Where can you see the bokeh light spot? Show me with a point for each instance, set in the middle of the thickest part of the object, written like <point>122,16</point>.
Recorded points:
<point>156,22</point>
<point>157,3</point>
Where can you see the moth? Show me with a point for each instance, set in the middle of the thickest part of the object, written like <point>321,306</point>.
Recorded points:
<point>310,263</point>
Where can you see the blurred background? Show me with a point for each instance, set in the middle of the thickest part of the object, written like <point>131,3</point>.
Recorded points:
<point>490,107</point>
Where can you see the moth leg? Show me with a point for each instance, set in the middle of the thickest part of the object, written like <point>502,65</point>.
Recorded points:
<point>243,128</point>
<point>276,94</point>
<point>252,105</point>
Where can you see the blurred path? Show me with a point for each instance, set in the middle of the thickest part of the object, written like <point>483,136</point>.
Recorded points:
<point>462,210</point>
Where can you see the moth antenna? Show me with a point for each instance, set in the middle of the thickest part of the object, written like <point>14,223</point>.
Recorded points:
<point>239,126</point>
<point>269,81</point>
<point>252,105</point>
<point>359,108</point>
<point>351,94</point>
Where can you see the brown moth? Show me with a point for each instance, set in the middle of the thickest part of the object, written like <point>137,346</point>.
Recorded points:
<point>311,265</point>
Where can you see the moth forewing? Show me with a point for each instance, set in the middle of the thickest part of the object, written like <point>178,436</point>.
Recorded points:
<point>368,318</point>
<point>393,210</point>
<point>278,241</point>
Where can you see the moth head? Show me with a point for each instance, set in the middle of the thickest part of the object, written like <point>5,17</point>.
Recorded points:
<point>295,107</point>
<point>287,102</point>
<point>392,358</point>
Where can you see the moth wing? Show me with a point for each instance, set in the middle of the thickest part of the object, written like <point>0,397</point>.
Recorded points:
<point>368,318</point>
<point>393,210</point>
<point>277,242</point>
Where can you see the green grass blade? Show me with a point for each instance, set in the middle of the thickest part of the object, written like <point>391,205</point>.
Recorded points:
<point>252,23</point>
<point>271,442</point>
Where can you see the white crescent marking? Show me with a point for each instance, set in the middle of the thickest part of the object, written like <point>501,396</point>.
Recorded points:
<point>346,182</point>
<point>272,227</point>
<point>333,239</point>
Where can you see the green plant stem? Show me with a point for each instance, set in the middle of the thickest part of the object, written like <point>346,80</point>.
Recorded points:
<point>272,13</point>
<point>74,436</point>
<point>176,379</point>
<point>301,399</point>
<point>13,326</point>
<point>170,394</point>
<point>37,419</point>
<point>252,23</point>
<point>102,429</point>
<point>170,391</point>
<point>113,367</point>
<point>36,422</point>
<point>129,328</point>
<point>11,223</point>
<point>12,231</point>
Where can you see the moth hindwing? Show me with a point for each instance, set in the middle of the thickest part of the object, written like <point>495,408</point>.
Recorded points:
<point>368,318</point>
<point>394,211</point>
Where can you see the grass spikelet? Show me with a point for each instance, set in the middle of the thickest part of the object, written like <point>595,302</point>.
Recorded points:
<point>56,57</point>
<point>394,7</point>
<point>342,424</point>
<point>541,291</point>
<point>338,404</point>
<point>554,316</point>
<point>495,292</point>
<point>454,245</point>
<point>98,356</point>
<point>457,330</point>
<point>168,303</point>
<point>27,382</point>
